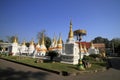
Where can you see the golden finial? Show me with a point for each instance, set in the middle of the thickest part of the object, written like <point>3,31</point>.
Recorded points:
<point>23,42</point>
<point>38,42</point>
<point>32,42</point>
<point>53,38</point>
<point>15,40</point>
<point>70,32</point>
<point>92,44</point>
<point>60,40</point>
<point>42,43</point>
<point>55,43</point>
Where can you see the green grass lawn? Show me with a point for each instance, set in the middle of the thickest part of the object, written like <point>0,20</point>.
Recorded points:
<point>57,66</point>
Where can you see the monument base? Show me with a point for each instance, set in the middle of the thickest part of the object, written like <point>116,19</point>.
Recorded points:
<point>70,59</point>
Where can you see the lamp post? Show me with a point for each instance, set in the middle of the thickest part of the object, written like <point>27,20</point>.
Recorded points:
<point>79,33</point>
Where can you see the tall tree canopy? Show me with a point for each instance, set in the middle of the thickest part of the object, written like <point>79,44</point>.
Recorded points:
<point>102,40</point>
<point>46,38</point>
<point>11,38</point>
<point>1,41</point>
<point>116,44</point>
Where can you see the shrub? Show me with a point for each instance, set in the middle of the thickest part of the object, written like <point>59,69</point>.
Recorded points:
<point>52,54</point>
<point>95,55</point>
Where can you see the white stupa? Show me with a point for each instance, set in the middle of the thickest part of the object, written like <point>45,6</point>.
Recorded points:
<point>31,48</point>
<point>14,47</point>
<point>92,50</point>
<point>43,48</point>
<point>23,48</point>
<point>71,49</point>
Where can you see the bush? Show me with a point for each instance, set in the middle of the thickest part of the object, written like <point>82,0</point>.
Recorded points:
<point>52,54</point>
<point>88,58</point>
<point>94,55</point>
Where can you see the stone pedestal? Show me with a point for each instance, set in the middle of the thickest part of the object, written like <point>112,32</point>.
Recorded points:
<point>71,54</point>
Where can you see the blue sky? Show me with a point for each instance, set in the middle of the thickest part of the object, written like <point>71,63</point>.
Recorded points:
<point>25,18</point>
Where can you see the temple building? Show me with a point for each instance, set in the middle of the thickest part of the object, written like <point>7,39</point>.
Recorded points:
<point>69,52</point>
<point>56,45</point>
<point>14,47</point>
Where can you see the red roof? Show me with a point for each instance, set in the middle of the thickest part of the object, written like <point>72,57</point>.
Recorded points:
<point>87,44</point>
<point>96,45</point>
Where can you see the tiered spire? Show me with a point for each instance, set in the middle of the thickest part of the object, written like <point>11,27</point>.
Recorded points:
<point>92,46</point>
<point>15,40</point>
<point>24,42</point>
<point>43,42</point>
<point>70,32</point>
<point>55,43</point>
<point>60,40</point>
<point>59,45</point>
<point>32,42</point>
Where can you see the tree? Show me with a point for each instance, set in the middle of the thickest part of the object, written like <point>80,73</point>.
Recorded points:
<point>115,42</point>
<point>52,54</point>
<point>46,38</point>
<point>1,41</point>
<point>27,44</point>
<point>11,38</point>
<point>102,40</point>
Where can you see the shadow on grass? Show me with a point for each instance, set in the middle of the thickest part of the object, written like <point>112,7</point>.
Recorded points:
<point>11,74</point>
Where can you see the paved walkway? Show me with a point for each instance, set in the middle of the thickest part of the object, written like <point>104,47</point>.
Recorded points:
<point>13,71</point>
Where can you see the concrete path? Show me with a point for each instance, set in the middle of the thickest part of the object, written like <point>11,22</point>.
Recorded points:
<point>13,71</point>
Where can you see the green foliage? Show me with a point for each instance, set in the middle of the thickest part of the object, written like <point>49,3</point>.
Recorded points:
<point>109,44</point>
<point>116,44</point>
<point>11,38</point>
<point>52,54</point>
<point>88,58</point>
<point>46,38</point>
<point>102,40</point>
<point>47,42</point>
<point>53,66</point>
<point>95,55</point>
<point>27,44</point>
<point>1,41</point>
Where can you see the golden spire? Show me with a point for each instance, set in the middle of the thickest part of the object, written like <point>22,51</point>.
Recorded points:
<point>23,42</point>
<point>59,40</point>
<point>70,32</point>
<point>53,38</point>
<point>55,43</point>
<point>32,42</point>
<point>38,42</point>
<point>15,40</point>
<point>42,42</point>
<point>92,44</point>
